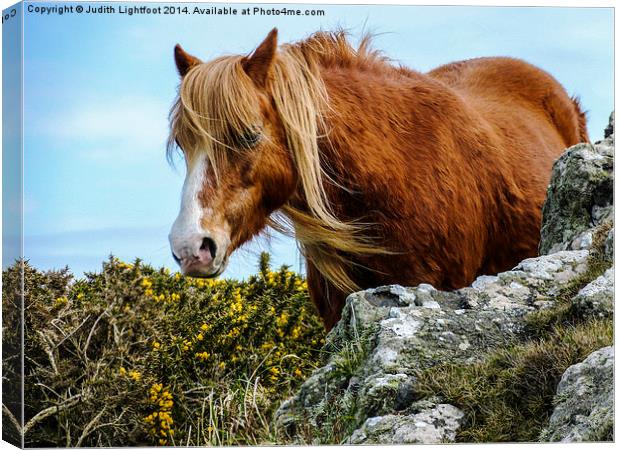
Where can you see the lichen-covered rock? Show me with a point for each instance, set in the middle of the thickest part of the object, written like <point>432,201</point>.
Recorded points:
<point>584,403</point>
<point>608,249</point>
<point>609,130</point>
<point>579,197</point>
<point>369,388</point>
<point>433,425</point>
<point>597,298</point>
<point>387,334</point>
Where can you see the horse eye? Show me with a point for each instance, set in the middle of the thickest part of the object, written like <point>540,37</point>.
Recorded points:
<point>249,138</point>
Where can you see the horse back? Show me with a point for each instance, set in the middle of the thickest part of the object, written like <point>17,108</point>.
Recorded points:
<point>503,87</point>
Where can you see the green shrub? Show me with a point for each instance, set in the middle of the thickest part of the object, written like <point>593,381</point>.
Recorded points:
<point>138,356</point>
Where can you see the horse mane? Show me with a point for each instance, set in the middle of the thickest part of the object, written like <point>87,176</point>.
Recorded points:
<point>217,103</point>
<point>330,49</point>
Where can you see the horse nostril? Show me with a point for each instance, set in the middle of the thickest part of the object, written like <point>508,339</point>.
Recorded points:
<point>208,243</point>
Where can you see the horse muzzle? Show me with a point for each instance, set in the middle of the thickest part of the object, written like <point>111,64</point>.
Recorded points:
<point>200,257</point>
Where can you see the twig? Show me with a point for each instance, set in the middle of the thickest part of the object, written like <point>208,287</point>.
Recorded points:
<point>12,418</point>
<point>92,330</point>
<point>41,415</point>
<point>48,349</point>
<point>261,363</point>
<point>88,427</point>
<point>67,336</point>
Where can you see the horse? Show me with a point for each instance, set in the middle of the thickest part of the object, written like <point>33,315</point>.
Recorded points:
<point>383,174</point>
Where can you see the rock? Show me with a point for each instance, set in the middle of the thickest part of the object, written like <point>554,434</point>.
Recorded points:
<point>584,408</point>
<point>597,298</point>
<point>430,426</point>
<point>609,130</point>
<point>387,336</point>
<point>579,197</point>
<point>608,250</point>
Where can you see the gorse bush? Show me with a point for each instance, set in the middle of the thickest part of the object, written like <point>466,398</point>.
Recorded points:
<point>139,356</point>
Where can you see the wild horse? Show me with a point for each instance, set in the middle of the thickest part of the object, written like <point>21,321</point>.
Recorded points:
<point>384,174</point>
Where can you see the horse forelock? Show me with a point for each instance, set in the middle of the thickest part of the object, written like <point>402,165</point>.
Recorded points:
<point>216,103</point>
<point>218,100</point>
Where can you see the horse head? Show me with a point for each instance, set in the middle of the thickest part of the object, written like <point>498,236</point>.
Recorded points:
<point>239,169</point>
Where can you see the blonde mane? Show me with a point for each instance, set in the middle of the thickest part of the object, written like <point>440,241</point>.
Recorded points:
<point>217,103</point>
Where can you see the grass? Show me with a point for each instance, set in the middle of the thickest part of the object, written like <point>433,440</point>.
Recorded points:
<point>335,418</point>
<point>564,312</point>
<point>509,396</point>
<point>139,356</point>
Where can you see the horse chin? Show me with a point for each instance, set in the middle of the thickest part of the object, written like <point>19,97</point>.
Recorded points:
<point>214,273</point>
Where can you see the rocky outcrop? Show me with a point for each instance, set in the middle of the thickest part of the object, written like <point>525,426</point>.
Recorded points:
<point>580,196</point>
<point>433,425</point>
<point>584,403</point>
<point>596,298</point>
<point>369,386</point>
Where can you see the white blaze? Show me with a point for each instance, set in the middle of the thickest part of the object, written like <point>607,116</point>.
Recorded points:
<point>187,233</point>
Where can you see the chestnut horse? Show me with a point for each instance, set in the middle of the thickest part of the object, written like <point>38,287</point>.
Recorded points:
<point>384,174</point>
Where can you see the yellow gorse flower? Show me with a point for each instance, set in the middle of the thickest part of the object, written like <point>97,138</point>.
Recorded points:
<point>274,373</point>
<point>282,320</point>
<point>233,333</point>
<point>135,375</point>
<point>203,355</point>
<point>61,301</point>
<point>163,297</point>
<point>160,421</point>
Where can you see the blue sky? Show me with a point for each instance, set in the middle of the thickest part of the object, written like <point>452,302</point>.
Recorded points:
<point>11,158</point>
<point>98,90</point>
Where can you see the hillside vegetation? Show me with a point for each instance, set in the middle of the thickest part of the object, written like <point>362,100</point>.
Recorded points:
<point>138,356</point>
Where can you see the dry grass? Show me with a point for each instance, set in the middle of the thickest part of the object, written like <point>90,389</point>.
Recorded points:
<point>509,397</point>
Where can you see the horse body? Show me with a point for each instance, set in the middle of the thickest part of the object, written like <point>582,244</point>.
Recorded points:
<point>448,169</point>
<point>454,174</point>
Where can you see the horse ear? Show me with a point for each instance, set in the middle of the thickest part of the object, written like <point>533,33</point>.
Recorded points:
<point>257,65</point>
<point>183,60</point>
